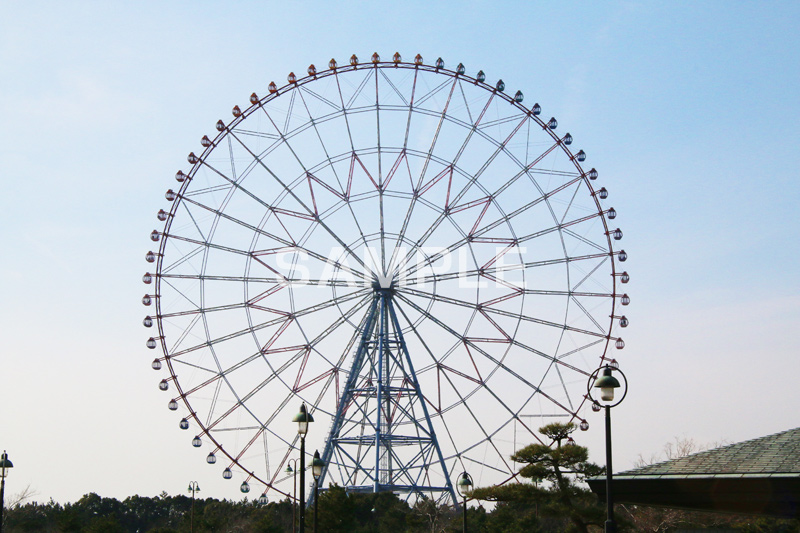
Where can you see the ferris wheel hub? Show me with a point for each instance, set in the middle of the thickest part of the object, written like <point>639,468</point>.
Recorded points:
<point>383,282</point>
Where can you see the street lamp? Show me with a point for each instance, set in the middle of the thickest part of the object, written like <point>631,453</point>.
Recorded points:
<point>303,418</point>
<point>5,465</point>
<point>293,472</point>
<point>607,384</point>
<point>317,465</point>
<point>193,487</point>
<point>464,487</point>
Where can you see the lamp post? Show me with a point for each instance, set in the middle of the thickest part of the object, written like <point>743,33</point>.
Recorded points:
<point>607,384</point>
<point>5,465</point>
<point>303,418</point>
<point>317,465</point>
<point>293,472</point>
<point>193,487</point>
<point>464,486</point>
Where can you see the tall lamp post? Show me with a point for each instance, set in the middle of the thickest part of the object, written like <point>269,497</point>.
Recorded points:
<point>607,384</point>
<point>293,472</point>
<point>5,465</point>
<point>193,487</point>
<point>317,465</point>
<point>303,418</point>
<point>464,486</point>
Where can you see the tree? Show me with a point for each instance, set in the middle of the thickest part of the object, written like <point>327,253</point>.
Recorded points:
<point>554,492</point>
<point>429,516</point>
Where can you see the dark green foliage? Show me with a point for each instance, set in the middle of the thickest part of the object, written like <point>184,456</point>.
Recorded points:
<point>558,502</point>
<point>524,509</point>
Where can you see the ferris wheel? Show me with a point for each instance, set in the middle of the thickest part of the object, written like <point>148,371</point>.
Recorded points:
<point>412,252</point>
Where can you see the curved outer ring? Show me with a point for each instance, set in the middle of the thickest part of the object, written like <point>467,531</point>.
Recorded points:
<point>308,79</point>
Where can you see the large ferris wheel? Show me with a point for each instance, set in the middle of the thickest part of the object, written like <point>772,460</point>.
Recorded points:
<point>412,252</point>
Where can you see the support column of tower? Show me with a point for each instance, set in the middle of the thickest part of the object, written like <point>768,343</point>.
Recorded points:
<point>382,437</point>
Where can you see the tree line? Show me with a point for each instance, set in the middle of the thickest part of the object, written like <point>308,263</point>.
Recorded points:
<point>552,499</point>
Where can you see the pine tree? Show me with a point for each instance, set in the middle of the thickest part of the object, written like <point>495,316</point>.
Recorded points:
<point>555,472</point>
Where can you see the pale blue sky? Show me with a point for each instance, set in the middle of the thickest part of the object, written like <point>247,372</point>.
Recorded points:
<point>689,111</point>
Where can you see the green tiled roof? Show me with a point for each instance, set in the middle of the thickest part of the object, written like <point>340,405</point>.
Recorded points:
<point>775,455</point>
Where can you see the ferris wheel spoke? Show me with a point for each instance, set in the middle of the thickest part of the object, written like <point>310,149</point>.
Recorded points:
<point>240,401</point>
<point>174,360</point>
<point>229,218</point>
<point>313,344</point>
<point>462,400</point>
<point>434,91</point>
<point>291,193</point>
<point>552,358</point>
<point>476,235</point>
<point>411,105</point>
<point>470,342</point>
<point>429,154</point>
<point>358,91</point>
<point>565,227</point>
<point>180,261</point>
<point>466,102</point>
<point>481,308</point>
<point>588,276</point>
<point>542,322</point>
<point>526,170</point>
<point>495,361</point>
<point>256,254</point>
<point>584,239</point>
<point>275,321</point>
<point>587,313</point>
<point>381,185</point>
<point>258,279</point>
<point>564,388</point>
<point>209,245</point>
<point>478,123</point>
<point>345,194</point>
<point>408,280</point>
<point>472,180</point>
<point>543,197</point>
<point>394,88</point>
<point>180,293</point>
<point>344,110</point>
<point>304,89</point>
<point>285,130</point>
<point>438,130</point>
<point>194,221</point>
<point>571,202</point>
<point>504,120</point>
<point>288,245</point>
<point>487,438</point>
<point>583,347</point>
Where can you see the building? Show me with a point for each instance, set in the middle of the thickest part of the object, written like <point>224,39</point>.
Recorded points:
<point>759,476</point>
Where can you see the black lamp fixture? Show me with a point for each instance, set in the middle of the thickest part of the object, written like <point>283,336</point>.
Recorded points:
<point>607,384</point>
<point>317,466</point>
<point>293,472</point>
<point>464,487</point>
<point>193,487</point>
<point>5,466</point>
<point>303,418</point>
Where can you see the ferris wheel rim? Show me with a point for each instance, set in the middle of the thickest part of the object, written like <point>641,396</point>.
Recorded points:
<point>276,94</point>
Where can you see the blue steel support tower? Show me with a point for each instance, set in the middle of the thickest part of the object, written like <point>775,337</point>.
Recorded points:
<point>378,440</point>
